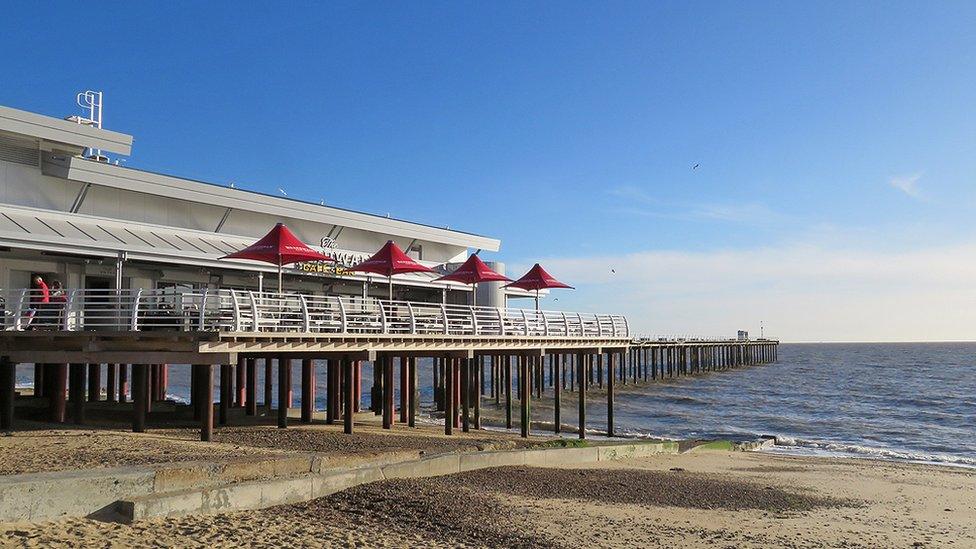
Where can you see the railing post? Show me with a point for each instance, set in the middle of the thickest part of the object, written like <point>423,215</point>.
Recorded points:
<point>525,320</point>
<point>202,320</point>
<point>68,304</point>
<point>255,315</point>
<point>599,325</point>
<point>626,327</point>
<point>134,325</point>
<point>566,323</point>
<point>306,318</point>
<point>582,326</point>
<point>444,313</point>
<point>342,316</point>
<point>545,323</point>
<point>501,321</point>
<point>474,321</point>
<point>19,309</point>
<point>383,325</point>
<point>413,318</point>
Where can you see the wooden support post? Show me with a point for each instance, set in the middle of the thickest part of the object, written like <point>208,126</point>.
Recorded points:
<point>599,370</point>
<point>330,389</point>
<point>207,383</point>
<point>150,396</point>
<point>404,390</point>
<point>525,380</point>
<point>580,365</point>
<point>376,393</point>
<point>389,388</point>
<point>456,389</point>
<point>358,384</point>
<point>76,387</point>
<point>226,371</point>
<point>268,384</point>
<point>411,388</point>
<point>507,366</point>
<point>195,393</point>
<point>449,397</point>
<point>251,387</point>
<point>308,390</point>
<point>284,366</point>
<point>94,382</point>
<point>8,381</point>
<point>348,370</point>
<point>163,381</point>
<point>111,386</point>
<point>153,383</point>
<point>611,365</point>
<point>123,382</point>
<point>385,365</point>
<point>288,372</point>
<point>139,397</point>
<point>39,370</point>
<point>466,395</point>
<point>240,383</point>
<point>557,363</point>
<point>480,375</point>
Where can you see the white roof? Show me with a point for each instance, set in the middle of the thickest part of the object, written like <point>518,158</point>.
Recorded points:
<point>109,175</point>
<point>59,232</point>
<point>53,131</point>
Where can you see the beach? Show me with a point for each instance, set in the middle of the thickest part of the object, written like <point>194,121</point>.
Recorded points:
<point>695,499</point>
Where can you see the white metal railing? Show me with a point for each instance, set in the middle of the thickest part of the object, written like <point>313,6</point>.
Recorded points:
<point>250,311</point>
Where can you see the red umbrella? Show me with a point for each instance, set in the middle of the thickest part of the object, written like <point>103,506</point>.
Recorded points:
<point>279,247</point>
<point>389,261</point>
<point>537,279</point>
<point>472,272</point>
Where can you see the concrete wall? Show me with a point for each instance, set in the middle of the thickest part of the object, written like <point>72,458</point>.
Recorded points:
<point>133,493</point>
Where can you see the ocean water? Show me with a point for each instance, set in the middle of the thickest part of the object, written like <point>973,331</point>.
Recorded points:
<point>914,401</point>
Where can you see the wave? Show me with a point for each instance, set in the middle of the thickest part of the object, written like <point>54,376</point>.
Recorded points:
<point>839,449</point>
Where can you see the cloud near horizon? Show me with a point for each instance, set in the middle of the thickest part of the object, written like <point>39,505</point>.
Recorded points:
<point>803,292</point>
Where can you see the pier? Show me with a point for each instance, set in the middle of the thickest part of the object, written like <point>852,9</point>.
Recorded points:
<point>478,353</point>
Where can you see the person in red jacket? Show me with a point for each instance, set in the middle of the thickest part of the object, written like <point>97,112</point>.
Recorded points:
<point>41,293</point>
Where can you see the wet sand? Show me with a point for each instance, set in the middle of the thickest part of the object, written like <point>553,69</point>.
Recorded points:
<point>708,499</point>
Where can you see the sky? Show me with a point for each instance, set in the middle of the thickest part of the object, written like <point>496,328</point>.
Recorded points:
<point>702,167</point>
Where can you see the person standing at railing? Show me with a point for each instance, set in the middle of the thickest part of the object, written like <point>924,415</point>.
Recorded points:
<point>57,293</point>
<point>39,295</point>
<point>40,292</point>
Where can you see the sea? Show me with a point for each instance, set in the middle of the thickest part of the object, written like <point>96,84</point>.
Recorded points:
<point>891,401</point>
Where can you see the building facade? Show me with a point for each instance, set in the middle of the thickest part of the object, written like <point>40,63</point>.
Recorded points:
<point>69,214</point>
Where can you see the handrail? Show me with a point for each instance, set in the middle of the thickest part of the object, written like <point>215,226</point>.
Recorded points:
<point>227,310</point>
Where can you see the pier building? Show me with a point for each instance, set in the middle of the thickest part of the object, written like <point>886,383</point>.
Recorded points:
<point>137,255</point>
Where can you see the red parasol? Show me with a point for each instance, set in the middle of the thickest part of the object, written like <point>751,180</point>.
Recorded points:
<point>537,279</point>
<point>472,272</point>
<point>389,261</point>
<point>279,247</point>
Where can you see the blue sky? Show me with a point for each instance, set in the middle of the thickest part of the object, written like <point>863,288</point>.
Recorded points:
<point>836,142</point>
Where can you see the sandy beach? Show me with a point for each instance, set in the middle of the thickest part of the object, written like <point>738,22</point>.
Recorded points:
<point>706,499</point>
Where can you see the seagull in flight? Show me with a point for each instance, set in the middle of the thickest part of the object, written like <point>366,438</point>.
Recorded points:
<point>695,167</point>
<point>282,191</point>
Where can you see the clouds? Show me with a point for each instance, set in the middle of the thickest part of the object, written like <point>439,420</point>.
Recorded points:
<point>907,184</point>
<point>803,291</point>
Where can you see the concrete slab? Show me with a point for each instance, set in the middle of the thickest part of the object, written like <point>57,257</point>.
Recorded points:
<point>46,496</point>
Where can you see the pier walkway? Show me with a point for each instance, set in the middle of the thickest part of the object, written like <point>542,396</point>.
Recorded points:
<point>139,334</point>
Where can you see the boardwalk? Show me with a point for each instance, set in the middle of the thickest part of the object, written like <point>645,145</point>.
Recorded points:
<point>139,335</point>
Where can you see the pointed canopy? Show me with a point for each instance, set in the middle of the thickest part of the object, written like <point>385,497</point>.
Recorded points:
<point>279,247</point>
<point>474,271</point>
<point>537,279</point>
<point>389,261</point>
